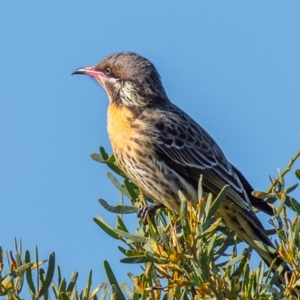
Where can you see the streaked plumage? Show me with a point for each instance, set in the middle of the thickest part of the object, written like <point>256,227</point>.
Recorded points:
<point>163,150</point>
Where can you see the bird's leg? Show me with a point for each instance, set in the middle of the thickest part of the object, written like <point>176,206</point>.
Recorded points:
<point>148,210</point>
<point>142,197</point>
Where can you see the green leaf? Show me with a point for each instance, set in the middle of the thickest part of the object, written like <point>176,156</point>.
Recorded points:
<point>210,248</point>
<point>226,241</point>
<point>21,270</point>
<point>246,277</point>
<point>197,272</point>
<point>29,276</point>
<point>183,205</point>
<point>234,261</point>
<point>118,209</point>
<point>165,240</point>
<point>158,260</point>
<point>87,290</point>
<point>115,169</point>
<point>117,184</point>
<point>72,284</point>
<point>123,250</point>
<point>126,289</point>
<point>293,204</point>
<point>105,227</point>
<point>131,188</point>
<point>97,157</point>
<point>207,207</point>
<point>134,260</point>
<point>62,287</point>
<point>220,198</point>
<point>297,173</point>
<point>18,259</point>
<point>111,160</point>
<point>63,296</point>
<point>55,290</point>
<point>281,204</point>
<point>136,296</point>
<point>212,227</point>
<point>105,291</point>
<point>200,189</point>
<point>103,153</point>
<point>108,160</point>
<point>276,274</point>
<point>291,188</point>
<point>49,276</point>
<point>113,281</point>
<point>281,178</point>
<point>264,246</point>
<point>134,238</point>
<point>296,231</point>
<point>121,225</point>
<point>239,269</point>
<point>58,275</point>
<point>183,216</point>
<point>210,209</point>
<point>131,252</point>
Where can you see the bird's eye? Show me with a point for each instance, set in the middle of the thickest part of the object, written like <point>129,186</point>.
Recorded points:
<point>107,71</point>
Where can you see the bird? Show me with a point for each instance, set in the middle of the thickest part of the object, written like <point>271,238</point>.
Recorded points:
<point>162,149</point>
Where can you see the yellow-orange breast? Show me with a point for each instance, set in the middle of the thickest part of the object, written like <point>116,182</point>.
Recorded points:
<point>124,129</point>
<point>118,124</point>
<point>130,138</point>
<point>133,139</point>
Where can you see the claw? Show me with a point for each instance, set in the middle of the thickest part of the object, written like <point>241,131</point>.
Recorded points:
<point>148,210</point>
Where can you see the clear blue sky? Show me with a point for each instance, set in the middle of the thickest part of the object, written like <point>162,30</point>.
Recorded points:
<point>232,65</point>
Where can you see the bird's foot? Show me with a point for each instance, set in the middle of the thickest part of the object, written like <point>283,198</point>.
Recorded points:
<point>148,210</point>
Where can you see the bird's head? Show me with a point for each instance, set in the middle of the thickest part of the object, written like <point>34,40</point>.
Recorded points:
<point>128,79</point>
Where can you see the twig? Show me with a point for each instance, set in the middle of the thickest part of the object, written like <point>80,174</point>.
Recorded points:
<point>287,169</point>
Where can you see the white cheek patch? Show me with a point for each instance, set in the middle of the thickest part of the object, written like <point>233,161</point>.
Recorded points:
<point>129,94</point>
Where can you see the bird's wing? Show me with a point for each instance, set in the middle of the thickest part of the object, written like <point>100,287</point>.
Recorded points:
<point>190,150</point>
<point>258,203</point>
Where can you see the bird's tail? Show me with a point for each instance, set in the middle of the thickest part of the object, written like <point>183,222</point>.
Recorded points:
<point>249,228</point>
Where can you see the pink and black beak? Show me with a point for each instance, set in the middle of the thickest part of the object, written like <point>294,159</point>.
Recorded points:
<point>99,76</point>
<point>87,71</point>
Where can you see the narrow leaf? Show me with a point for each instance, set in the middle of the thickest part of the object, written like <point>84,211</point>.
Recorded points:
<point>134,238</point>
<point>265,247</point>
<point>105,227</point>
<point>281,204</point>
<point>118,209</point>
<point>72,283</point>
<point>293,204</point>
<point>112,280</point>
<point>291,188</point>
<point>131,188</point>
<point>103,153</point>
<point>183,216</point>
<point>234,261</point>
<point>97,157</point>
<point>49,276</point>
<point>121,225</point>
<point>117,184</point>
<point>29,276</point>
<point>200,189</point>
<point>134,260</point>
<point>220,198</point>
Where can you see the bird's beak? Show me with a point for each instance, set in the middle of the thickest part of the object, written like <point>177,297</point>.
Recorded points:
<point>87,71</point>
